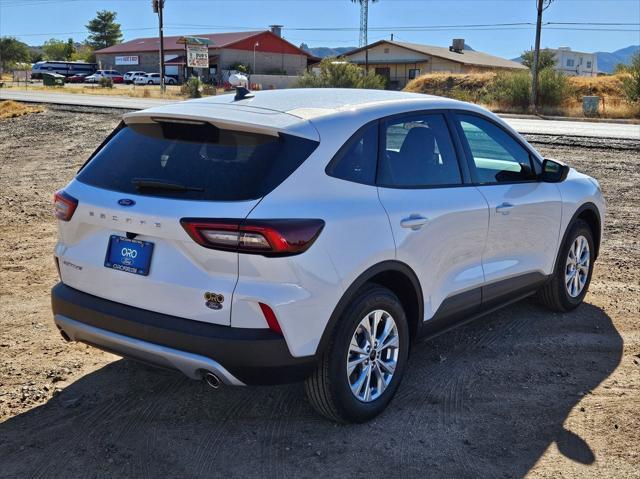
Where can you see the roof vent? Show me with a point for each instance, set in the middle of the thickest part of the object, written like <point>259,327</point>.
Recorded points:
<point>457,45</point>
<point>242,93</point>
<point>276,29</point>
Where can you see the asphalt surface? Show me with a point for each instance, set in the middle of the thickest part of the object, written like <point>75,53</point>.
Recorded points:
<point>523,125</point>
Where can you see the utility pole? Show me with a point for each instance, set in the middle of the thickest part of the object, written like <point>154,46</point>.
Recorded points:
<point>158,7</point>
<point>541,6</point>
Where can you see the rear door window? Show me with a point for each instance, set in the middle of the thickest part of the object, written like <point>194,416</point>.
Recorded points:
<point>418,152</point>
<point>195,161</point>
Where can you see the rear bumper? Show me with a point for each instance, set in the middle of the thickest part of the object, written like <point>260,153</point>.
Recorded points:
<point>237,355</point>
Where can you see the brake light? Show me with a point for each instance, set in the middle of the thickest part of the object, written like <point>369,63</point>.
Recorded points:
<point>266,237</point>
<point>270,316</point>
<point>64,205</point>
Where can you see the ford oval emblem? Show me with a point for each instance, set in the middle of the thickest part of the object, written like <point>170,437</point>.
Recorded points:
<point>126,202</point>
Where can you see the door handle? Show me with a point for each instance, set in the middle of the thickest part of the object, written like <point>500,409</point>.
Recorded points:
<point>415,222</point>
<point>504,208</point>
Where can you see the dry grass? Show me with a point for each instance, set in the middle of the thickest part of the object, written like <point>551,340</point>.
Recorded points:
<point>135,91</point>
<point>475,87</point>
<point>120,90</point>
<point>12,109</point>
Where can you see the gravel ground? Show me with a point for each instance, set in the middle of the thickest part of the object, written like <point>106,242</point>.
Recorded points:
<point>521,392</point>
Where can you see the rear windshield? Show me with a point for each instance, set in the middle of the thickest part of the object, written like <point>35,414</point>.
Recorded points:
<point>194,161</point>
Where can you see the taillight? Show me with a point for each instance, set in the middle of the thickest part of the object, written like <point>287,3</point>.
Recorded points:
<point>64,205</point>
<point>266,237</point>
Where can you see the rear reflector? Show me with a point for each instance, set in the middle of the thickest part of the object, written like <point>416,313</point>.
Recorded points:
<point>270,316</point>
<point>266,237</point>
<point>64,205</point>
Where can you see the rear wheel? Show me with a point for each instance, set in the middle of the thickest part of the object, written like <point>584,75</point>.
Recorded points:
<point>574,267</point>
<point>362,366</point>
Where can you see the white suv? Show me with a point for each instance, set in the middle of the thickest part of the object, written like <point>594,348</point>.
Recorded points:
<point>313,235</point>
<point>153,79</point>
<point>130,77</point>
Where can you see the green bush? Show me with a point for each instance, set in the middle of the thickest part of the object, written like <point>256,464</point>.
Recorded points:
<point>553,87</point>
<point>105,82</point>
<point>340,74</point>
<point>192,88</point>
<point>631,82</point>
<point>511,89</point>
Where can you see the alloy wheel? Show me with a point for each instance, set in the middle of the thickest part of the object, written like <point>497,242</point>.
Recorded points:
<point>577,266</point>
<point>373,355</point>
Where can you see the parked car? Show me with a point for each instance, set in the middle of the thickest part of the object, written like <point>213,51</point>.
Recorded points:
<point>315,241</point>
<point>154,79</point>
<point>113,74</point>
<point>79,78</point>
<point>129,77</point>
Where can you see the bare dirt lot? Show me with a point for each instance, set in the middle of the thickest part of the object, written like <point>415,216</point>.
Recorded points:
<point>521,392</point>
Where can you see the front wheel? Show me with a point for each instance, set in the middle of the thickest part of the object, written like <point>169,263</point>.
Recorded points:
<point>361,368</point>
<point>570,282</point>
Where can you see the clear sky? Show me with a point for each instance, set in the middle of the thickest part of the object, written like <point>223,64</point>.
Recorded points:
<point>335,22</point>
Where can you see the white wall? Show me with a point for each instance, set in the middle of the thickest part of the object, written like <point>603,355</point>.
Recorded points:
<point>576,63</point>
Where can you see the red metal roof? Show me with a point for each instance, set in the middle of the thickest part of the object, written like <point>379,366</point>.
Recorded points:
<point>240,40</point>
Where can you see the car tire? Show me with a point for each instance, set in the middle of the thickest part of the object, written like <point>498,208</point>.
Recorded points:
<point>329,388</point>
<point>570,281</point>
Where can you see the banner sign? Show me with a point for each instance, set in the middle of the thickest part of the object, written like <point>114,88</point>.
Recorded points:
<point>198,56</point>
<point>128,60</point>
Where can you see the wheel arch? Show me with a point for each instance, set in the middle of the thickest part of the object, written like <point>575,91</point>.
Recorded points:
<point>397,277</point>
<point>589,213</point>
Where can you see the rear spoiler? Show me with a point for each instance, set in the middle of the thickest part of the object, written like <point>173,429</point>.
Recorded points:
<point>228,117</point>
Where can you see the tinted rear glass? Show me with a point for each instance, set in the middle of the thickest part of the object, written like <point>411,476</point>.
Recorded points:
<point>194,161</point>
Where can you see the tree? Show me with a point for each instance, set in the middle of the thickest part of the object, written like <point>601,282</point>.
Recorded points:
<point>621,68</point>
<point>336,73</point>
<point>36,55</point>
<point>55,49</point>
<point>103,30</point>
<point>69,49</point>
<point>12,51</point>
<point>546,59</point>
<point>631,82</point>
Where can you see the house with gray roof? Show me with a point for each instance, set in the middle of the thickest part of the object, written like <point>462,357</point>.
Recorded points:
<point>401,62</point>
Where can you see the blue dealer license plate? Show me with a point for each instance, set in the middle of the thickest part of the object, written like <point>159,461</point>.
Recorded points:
<point>129,255</point>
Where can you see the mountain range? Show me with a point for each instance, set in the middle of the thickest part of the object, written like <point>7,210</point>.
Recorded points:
<point>608,60</point>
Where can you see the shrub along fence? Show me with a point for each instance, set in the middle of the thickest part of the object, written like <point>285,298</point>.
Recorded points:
<point>508,91</point>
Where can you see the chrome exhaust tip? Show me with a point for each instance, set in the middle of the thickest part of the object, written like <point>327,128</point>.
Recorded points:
<point>212,380</point>
<point>65,336</point>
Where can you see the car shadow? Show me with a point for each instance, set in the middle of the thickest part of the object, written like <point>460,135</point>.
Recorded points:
<point>484,400</point>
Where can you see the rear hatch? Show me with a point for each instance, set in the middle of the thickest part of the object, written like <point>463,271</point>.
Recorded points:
<point>124,241</point>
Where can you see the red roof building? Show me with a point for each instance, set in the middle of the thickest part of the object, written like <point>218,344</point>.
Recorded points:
<point>273,54</point>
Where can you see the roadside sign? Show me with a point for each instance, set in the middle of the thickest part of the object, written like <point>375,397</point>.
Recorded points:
<point>127,60</point>
<point>198,56</point>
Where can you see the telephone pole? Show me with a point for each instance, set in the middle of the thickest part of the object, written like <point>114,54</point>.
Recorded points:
<point>158,7</point>
<point>541,6</point>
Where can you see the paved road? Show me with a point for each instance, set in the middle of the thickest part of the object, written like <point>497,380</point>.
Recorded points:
<point>523,125</point>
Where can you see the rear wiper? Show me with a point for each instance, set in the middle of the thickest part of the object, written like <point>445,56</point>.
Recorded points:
<point>154,184</point>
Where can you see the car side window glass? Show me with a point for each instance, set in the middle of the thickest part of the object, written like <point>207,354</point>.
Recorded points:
<point>418,152</point>
<point>497,156</point>
<point>356,161</point>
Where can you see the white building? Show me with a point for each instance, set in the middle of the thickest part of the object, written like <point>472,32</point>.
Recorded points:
<point>574,63</point>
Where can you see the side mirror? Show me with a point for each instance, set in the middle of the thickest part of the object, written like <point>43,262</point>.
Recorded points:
<point>554,171</point>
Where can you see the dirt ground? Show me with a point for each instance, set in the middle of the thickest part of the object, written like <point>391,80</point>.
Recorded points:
<point>521,392</point>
